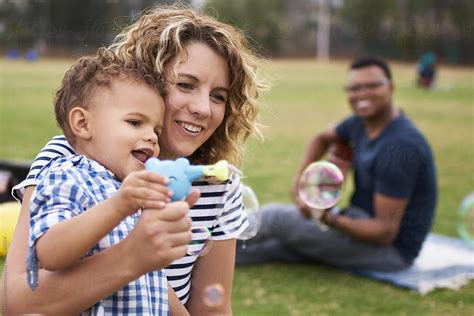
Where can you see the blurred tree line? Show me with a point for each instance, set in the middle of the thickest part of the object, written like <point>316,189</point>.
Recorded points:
<point>400,29</point>
<point>58,27</point>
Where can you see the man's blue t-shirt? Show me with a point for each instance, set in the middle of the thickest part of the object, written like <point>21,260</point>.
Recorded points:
<point>398,163</point>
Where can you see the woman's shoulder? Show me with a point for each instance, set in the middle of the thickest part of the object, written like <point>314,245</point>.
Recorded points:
<point>58,146</point>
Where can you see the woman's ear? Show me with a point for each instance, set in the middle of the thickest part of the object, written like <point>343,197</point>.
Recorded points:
<point>392,87</point>
<point>79,121</point>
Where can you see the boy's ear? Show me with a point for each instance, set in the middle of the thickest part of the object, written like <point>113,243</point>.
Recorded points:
<point>79,121</point>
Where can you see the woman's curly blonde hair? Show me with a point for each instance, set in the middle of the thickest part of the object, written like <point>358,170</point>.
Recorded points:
<point>159,38</point>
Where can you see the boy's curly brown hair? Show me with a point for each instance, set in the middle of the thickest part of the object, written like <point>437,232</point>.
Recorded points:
<point>90,72</point>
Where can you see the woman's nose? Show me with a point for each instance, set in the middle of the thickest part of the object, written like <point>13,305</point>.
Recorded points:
<point>201,105</point>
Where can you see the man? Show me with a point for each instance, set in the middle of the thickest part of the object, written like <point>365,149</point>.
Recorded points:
<point>393,204</point>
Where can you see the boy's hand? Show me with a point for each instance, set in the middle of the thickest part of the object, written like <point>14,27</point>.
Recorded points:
<point>142,189</point>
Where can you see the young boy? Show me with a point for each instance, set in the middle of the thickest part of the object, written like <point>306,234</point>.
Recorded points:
<point>111,112</point>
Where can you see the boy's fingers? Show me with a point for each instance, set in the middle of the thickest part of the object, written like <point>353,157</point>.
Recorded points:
<point>152,185</point>
<point>152,177</point>
<point>157,205</point>
<point>144,194</point>
<point>160,188</point>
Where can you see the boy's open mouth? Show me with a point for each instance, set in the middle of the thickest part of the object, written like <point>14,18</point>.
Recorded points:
<point>142,154</point>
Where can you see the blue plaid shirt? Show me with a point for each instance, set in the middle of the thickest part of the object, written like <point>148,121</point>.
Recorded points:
<point>67,187</point>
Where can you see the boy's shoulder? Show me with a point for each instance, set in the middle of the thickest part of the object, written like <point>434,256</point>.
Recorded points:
<point>72,164</point>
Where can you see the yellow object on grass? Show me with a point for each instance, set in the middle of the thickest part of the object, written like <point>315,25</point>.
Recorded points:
<point>9,213</point>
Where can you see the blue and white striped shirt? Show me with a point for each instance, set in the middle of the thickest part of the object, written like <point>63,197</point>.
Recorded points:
<point>69,186</point>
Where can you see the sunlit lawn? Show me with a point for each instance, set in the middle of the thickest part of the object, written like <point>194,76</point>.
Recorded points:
<point>305,98</point>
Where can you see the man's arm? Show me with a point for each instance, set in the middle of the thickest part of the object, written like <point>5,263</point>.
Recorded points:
<point>317,147</point>
<point>380,230</point>
<point>394,177</point>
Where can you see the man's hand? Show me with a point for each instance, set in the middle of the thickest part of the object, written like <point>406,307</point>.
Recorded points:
<point>340,154</point>
<point>304,209</point>
<point>142,189</point>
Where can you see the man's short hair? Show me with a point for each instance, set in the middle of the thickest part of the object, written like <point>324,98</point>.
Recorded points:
<point>88,73</point>
<point>364,62</point>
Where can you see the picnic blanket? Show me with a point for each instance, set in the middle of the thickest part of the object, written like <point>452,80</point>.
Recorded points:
<point>444,262</point>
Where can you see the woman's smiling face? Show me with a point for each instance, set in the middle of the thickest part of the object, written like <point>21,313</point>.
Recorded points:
<point>195,103</point>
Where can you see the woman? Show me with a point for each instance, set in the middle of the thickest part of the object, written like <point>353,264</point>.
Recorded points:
<point>211,109</point>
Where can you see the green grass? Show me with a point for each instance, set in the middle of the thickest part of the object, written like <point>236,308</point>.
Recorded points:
<point>305,98</point>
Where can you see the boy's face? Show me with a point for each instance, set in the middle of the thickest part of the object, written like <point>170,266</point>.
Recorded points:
<point>126,119</point>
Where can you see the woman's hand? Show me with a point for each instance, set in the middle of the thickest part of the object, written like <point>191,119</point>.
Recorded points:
<point>160,237</point>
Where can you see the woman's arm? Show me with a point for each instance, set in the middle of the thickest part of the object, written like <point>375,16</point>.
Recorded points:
<point>76,289</point>
<point>216,267</point>
<point>176,307</point>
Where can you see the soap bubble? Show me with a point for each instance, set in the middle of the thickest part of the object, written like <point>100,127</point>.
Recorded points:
<point>214,295</point>
<point>251,210</point>
<point>466,219</point>
<point>201,243</point>
<point>320,185</point>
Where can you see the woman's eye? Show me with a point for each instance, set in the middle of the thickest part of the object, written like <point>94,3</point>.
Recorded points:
<point>157,132</point>
<point>219,98</point>
<point>185,86</point>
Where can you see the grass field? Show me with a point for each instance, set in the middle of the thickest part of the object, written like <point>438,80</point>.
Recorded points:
<point>306,97</point>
